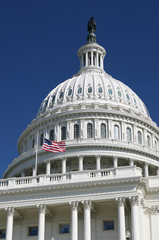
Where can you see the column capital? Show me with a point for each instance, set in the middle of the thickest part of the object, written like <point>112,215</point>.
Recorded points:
<point>63,158</point>
<point>98,156</point>
<point>154,209</point>
<point>120,201</point>
<point>74,205</point>
<point>10,211</point>
<point>115,157</point>
<point>42,208</point>
<point>134,200</point>
<point>87,204</point>
<point>80,156</point>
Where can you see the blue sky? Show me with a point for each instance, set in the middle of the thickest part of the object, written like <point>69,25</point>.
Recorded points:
<point>38,50</point>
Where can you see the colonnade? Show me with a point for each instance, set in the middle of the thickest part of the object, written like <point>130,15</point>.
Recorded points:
<point>86,206</point>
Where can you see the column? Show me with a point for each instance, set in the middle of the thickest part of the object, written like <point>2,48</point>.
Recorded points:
<point>87,219</point>
<point>80,160</point>
<point>82,62</point>
<point>48,167</point>
<point>86,59</point>
<point>121,218</point>
<point>154,222</point>
<point>158,171</point>
<point>74,222</point>
<point>41,226</point>
<point>63,165</point>
<point>115,162</point>
<point>98,158</point>
<point>9,228</point>
<point>135,224</point>
<point>91,57</point>
<point>97,59</point>
<point>146,170</point>
<point>131,162</point>
<point>23,173</point>
<point>142,219</point>
<point>101,61</point>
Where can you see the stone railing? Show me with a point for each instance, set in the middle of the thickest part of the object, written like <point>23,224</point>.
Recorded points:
<point>77,176</point>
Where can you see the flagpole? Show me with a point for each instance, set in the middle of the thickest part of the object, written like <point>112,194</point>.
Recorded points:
<point>36,157</point>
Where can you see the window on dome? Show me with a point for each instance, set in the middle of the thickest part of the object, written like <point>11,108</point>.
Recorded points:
<point>89,89</point>
<point>2,233</point>
<point>89,130</point>
<point>128,134</point>
<point>53,98</point>
<point>70,92</point>
<point>156,144</point>
<point>100,90</point>
<point>41,139</point>
<point>119,93</point>
<point>32,231</point>
<point>79,91</point>
<point>127,96</point>
<point>64,228</point>
<point>61,95</point>
<point>139,137</point>
<point>108,225</point>
<point>110,91</point>
<point>116,132</point>
<point>63,133</point>
<point>33,143</point>
<point>103,130</point>
<point>148,141</point>
<point>135,101</point>
<point>52,135</point>
<point>76,131</point>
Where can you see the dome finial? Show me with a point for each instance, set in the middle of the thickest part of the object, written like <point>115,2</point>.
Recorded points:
<point>91,28</point>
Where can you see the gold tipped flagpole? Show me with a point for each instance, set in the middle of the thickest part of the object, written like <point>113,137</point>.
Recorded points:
<point>36,157</point>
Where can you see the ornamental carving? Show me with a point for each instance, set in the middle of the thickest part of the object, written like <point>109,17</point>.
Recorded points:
<point>10,211</point>
<point>74,205</point>
<point>42,208</point>
<point>121,201</point>
<point>134,201</point>
<point>154,209</point>
<point>87,204</point>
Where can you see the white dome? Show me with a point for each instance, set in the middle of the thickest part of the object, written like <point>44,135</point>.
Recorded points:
<point>90,88</point>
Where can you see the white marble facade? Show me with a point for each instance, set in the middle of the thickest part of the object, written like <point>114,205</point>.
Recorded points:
<point>106,184</point>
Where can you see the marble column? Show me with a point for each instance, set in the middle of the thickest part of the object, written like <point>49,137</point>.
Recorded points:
<point>146,170</point>
<point>63,165</point>
<point>131,162</point>
<point>80,160</point>
<point>74,221</point>
<point>98,158</point>
<point>48,167</point>
<point>115,162</point>
<point>9,228</point>
<point>87,219</point>
<point>41,226</point>
<point>135,224</point>
<point>121,218</point>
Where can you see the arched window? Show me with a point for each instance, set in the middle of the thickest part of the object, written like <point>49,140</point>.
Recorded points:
<point>63,133</point>
<point>116,132</point>
<point>76,131</point>
<point>33,143</point>
<point>52,135</point>
<point>156,144</point>
<point>148,141</point>
<point>139,137</point>
<point>41,139</point>
<point>128,134</point>
<point>89,130</point>
<point>103,130</point>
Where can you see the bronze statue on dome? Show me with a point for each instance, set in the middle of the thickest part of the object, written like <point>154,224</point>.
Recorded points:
<point>91,27</point>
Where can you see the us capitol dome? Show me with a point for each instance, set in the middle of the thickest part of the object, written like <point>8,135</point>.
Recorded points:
<point>109,174</point>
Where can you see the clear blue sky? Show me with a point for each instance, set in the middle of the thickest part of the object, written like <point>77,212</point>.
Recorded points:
<point>38,50</point>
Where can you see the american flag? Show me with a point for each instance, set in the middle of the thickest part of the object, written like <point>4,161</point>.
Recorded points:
<point>54,147</point>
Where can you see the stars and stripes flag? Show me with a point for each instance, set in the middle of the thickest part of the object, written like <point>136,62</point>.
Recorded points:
<point>54,147</point>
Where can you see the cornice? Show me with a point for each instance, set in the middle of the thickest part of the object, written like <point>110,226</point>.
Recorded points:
<point>68,186</point>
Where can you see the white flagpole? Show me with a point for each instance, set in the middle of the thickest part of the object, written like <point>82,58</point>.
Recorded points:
<point>36,157</point>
